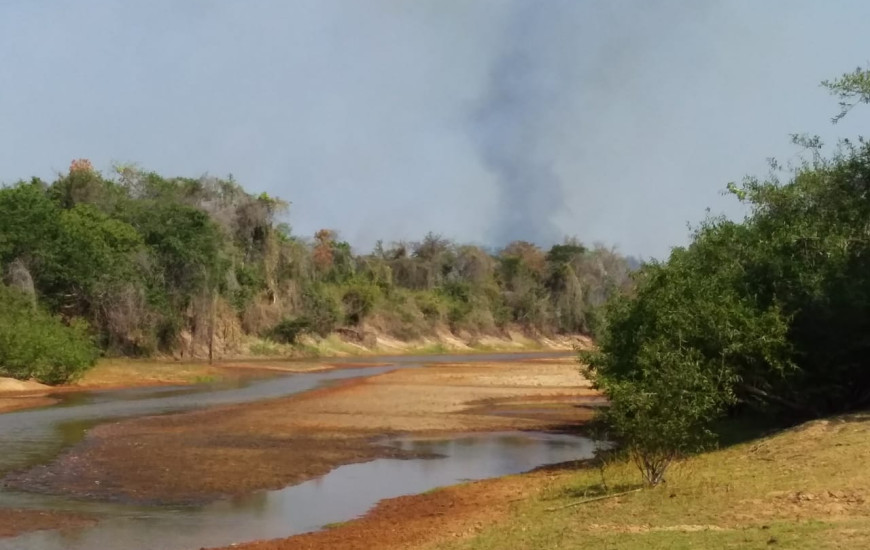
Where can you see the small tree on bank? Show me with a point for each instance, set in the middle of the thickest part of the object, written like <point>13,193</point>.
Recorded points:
<point>663,413</point>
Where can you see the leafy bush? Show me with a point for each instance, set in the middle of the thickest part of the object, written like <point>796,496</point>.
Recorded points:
<point>359,299</point>
<point>674,356</point>
<point>323,308</point>
<point>289,330</point>
<point>400,315</point>
<point>432,305</point>
<point>34,344</point>
<point>771,314</point>
<point>665,409</point>
<point>248,283</point>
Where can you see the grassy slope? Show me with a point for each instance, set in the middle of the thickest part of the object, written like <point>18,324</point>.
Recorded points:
<point>808,487</point>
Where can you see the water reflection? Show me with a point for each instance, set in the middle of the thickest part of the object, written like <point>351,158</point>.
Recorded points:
<point>33,436</point>
<point>343,494</point>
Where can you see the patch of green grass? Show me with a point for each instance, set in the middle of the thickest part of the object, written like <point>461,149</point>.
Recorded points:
<point>266,348</point>
<point>125,372</point>
<point>807,535</point>
<point>805,488</point>
<point>335,525</point>
<point>331,345</point>
<point>483,348</point>
<point>309,350</point>
<point>437,348</point>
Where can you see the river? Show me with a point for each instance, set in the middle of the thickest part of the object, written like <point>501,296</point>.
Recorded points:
<point>35,436</point>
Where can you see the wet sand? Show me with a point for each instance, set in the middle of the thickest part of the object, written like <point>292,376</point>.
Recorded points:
<point>234,450</point>
<point>15,522</point>
<point>230,451</point>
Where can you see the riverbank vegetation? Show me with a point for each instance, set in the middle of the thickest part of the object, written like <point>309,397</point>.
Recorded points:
<point>36,344</point>
<point>803,489</point>
<point>138,264</point>
<point>768,316</point>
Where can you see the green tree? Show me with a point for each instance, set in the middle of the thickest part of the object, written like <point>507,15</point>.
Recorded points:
<point>35,344</point>
<point>188,260</point>
<point>28,222</point>
<point>771,313</point>
<point>664,410</point>
<point>851,89</point>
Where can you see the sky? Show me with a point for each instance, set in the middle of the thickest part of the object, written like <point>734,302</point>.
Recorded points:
<point>617,122</point>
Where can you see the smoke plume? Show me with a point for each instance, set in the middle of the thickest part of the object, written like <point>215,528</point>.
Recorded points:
<point>512,127</point>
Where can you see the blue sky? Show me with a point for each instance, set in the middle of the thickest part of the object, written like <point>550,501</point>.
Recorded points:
<point>617,121</point>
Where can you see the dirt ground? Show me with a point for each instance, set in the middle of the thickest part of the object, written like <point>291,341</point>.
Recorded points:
<point>24,401</point>
<point>209,454</point>
<point>15,522</point>
<point>22,394</point>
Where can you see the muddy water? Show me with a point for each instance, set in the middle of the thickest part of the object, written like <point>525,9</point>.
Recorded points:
<point>35,436</point>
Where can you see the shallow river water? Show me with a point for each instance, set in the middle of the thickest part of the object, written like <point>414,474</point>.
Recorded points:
<point>34,436</point>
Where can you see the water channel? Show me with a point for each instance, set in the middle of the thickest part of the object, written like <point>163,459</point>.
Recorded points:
<point>35,436</point>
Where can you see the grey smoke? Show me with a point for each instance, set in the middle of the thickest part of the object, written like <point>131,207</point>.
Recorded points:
<point>512,123</point>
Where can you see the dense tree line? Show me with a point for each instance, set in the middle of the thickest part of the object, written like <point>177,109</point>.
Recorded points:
<point>146,264</point>
<point>769,314</point>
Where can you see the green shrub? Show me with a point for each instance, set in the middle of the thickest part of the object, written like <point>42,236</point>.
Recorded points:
<point>289,330</point>
<point>250,282</point>
<point>34,344</point>
<point>399,315</point>
<point>457,296</point>
<point>359,300</point>
<point>432,305</point>
<point>665,409</point>
<point>323,308</point>
<point>768,315</point>
<point>479,318</point>
<point>265,348</point>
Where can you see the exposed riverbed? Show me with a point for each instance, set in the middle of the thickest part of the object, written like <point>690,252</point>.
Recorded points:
<point>340,492</point>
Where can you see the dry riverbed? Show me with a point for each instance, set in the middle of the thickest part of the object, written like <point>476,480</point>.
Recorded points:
<point>229,451</point>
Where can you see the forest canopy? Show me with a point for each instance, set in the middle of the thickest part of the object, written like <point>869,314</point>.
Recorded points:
<point>149,264</point>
